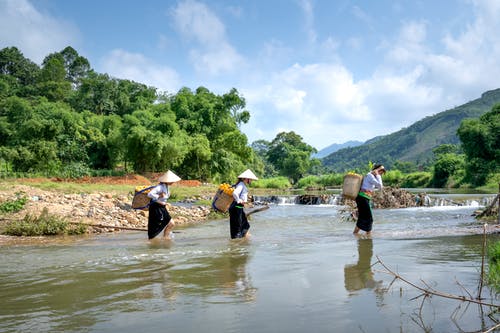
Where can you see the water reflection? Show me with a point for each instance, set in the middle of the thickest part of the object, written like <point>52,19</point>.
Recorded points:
<point>279,279</point>
<point>221,276</point>
<point>360,275</point>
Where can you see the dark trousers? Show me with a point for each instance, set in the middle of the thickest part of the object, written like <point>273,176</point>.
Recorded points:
<point>365,217</point>
<point>157,220</point>
<point>238,223</point>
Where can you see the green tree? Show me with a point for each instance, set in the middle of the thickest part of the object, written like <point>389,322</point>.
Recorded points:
<point>446,166</point>
<point>215,117</point>
<point>481,144</point>
<point>290,155</point>
<point>197,161</point>
<point>405,167</point>
<point>77,67</point>
<point>95,94</point>
<point>236,104</point>
<point>261,149</point>
<point>102,94</point>
<point>154,141</point>
<point>446,149</point>
<point>52,81</point>
<point>36,156</point>
<point>13,63</point>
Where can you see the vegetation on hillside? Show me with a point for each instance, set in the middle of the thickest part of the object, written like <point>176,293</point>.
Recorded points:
<point>481,144</point>
<point>415,143</point>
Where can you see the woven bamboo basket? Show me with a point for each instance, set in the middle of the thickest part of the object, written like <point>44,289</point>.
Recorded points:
<point>351,186</point>
<point>141,199</point>
<point>222,201</point>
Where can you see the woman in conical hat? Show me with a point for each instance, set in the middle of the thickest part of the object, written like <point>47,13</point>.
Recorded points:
<point>159,219</point>
<point>371,182</point>
<point>238,222</point>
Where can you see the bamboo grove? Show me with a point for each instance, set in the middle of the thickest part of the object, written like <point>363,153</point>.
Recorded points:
<point>63,118</point>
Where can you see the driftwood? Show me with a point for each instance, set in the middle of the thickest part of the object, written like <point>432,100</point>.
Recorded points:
<point>492,209</point>
<point>429,291</point>
<point>104,226</point>
<point>255,210</point>
<point>108,226</point>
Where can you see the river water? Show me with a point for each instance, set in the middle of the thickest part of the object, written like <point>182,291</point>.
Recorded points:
<point>301,270</point>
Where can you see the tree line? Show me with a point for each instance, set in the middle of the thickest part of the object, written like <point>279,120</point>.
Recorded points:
<point>62,118</point>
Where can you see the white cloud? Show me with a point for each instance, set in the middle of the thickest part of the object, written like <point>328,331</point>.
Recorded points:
<point>214,54</point>
<point>137,67</point>
<point>416,80</point>
<point>324,104</point>
<point>34,33</point>
<point>410,44</point>
<point>315,101</point>
<point>218,60</point>
<point>362,16</point>
<point>308,10</point>
<point>477,49</point>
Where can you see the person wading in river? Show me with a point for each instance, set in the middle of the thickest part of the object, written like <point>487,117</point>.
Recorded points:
<point>159,219</point>
<point>238,222</point>
<point>372,181</point>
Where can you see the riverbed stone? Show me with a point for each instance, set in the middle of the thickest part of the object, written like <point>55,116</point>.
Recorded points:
<point>96,208</point>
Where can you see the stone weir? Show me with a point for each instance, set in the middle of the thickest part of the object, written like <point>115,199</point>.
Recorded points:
<point>390,197</point>
<point>304,199</point>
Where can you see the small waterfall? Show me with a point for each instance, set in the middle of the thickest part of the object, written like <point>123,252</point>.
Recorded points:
<point>477,201</point>
<point>308,199</point>
<point>275,199</point>
<point>336,199</point>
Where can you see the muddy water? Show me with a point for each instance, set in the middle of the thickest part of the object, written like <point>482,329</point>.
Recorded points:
<point>302,270</point>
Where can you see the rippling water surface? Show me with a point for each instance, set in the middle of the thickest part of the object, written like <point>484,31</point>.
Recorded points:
<point>302,270</point>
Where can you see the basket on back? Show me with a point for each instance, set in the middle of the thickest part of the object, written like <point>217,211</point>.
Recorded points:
<point>351,186</point>
<point>141,199</point>
<point>223,198</point>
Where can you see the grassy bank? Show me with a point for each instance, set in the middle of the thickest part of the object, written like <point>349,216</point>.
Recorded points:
<point>68,187</point>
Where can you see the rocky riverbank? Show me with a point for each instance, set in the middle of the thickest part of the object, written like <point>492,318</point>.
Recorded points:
<point>111,212</point>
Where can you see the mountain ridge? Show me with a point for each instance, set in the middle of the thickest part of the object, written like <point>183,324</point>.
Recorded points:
<point>415,142</point>
<point>335,147</point>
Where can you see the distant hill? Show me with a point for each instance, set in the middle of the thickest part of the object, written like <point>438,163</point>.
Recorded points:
<point>414,143</point>
<point>336,146</point>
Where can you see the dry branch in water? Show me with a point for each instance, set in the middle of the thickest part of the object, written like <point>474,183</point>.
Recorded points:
<point>428,291</point>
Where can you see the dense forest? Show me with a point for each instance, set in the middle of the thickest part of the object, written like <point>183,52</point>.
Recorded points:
<point>65,118</point>
<point>62,118</point>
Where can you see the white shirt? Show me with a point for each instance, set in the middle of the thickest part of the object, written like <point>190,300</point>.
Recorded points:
<point>371,182</point>
<point>155,193</point>
<point>240,193</point>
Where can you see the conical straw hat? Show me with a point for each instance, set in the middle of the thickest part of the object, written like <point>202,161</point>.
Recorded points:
<point>248,174</point>
<point>169,177</point>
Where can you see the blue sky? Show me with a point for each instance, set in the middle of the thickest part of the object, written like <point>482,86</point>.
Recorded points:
<point>331,71</point>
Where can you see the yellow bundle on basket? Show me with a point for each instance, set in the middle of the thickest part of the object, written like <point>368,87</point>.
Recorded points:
<point>223,198</point>
<point>141,199</point>
<point>351,186</point>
